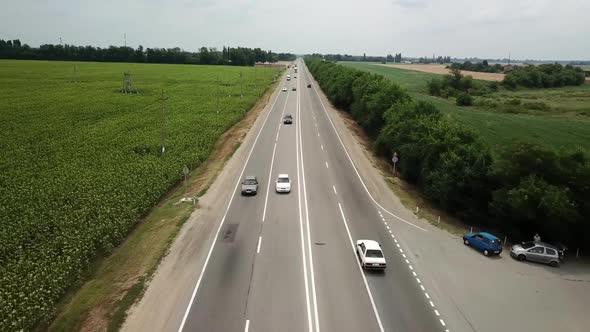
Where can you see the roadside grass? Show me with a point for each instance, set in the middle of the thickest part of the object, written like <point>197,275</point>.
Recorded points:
<point>117,281</point>
<point>566,124</point>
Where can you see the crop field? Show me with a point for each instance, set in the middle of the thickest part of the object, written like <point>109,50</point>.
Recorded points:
<point>80,162</point>
<point>565,122</point>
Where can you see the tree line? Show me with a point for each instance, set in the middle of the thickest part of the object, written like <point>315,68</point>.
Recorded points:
<point>544,76</point>
<point>522,190</point>
<point>237,56</point>
<point>364,57</point>
<point>483,66</point>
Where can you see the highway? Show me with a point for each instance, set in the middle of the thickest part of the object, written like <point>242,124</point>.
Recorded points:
<point>286,262</point>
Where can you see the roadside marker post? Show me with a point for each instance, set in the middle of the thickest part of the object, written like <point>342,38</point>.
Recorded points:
<point>394,159</point>
<point>185,172</point>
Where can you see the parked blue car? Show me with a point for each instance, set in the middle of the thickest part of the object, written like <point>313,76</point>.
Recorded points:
<point>484,242</point>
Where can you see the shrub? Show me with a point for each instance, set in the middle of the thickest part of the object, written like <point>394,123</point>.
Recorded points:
<point>493,85</point>
<point>464,99</point>
<point>434,87</point>
<point>537,105</point>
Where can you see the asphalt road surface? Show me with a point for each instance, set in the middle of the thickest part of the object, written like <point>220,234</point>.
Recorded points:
<point>286,262</point>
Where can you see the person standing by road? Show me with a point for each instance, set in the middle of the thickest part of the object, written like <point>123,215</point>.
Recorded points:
<point>537,238</point>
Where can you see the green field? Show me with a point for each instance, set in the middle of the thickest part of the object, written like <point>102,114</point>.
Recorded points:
<point>81,162</point>
<point>566,123</point>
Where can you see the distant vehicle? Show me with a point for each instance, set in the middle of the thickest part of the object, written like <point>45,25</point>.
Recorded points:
<point>484,242</point>
<point>285,89</point>
<point>294,76</point>
<point>250,185</point>
<point>283,183</point>
<point>537,252</point>
<point>309,85</point>
<point>370,254</point>
<point>288,77</point>
<point>294,89</point>
<point>287,119</point>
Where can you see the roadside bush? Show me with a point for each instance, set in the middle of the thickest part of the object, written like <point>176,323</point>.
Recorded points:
<point>464,99</point>
<point>543,190</point>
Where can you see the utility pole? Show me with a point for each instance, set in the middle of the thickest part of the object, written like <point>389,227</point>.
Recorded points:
<point>125,39</point>
<point>217,93</point>
<point>61,42</point>
<point>163,99</point>
<point>241,86</point>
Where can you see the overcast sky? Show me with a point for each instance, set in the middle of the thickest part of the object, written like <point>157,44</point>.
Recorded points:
<point>531,29</point>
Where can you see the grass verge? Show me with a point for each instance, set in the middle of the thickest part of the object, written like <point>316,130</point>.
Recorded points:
<point>117,281</point>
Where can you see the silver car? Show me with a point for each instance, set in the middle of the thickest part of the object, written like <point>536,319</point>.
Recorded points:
<point>250,185</point>
<point>536,252</point>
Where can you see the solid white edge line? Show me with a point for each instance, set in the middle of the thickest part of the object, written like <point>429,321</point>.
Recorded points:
<point>354,167</point>
<point>247,327</point>
<point>272,161</point>
<point>259,243</point>
<point>313,291</point>
<point>361,270</point>
<point>303,253</point>
<point>194,294</point>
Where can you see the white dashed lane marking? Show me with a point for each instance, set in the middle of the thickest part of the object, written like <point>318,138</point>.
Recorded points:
<point>436,312</point>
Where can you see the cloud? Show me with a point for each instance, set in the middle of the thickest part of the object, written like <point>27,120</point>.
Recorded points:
<point>412,4</point>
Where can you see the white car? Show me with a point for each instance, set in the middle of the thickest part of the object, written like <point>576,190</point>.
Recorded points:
<point>284,89</point>
<point>283,183</point>
<point>370,254</point>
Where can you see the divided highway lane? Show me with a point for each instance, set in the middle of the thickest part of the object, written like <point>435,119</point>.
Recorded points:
<point>342,299</point>
<point>401,301</point>
<point>277,300</point>
<point>242,276</point>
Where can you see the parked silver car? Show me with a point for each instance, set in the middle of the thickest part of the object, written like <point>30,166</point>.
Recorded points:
<point>537,252</point>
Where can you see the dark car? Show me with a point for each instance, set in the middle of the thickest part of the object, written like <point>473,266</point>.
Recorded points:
<point>484,242</point>
<point>288,119</point>
<point>294,89</point>
<point>250,185</point>
<point>309,85</point>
